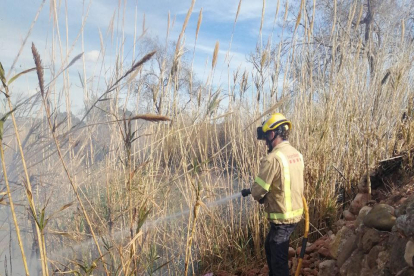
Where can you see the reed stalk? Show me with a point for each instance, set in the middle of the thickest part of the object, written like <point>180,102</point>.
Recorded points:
<point>191,230</point>
<point>46,105</point>
<point>28,186</point>
<point>16,224</point>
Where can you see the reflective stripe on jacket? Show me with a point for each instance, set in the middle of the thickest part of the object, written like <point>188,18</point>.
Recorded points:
<point>280,182</point>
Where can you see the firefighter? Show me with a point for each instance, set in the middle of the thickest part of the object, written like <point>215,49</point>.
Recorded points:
<point>279,186</point>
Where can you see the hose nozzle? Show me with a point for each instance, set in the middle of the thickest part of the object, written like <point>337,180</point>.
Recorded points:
<point>246,192</point>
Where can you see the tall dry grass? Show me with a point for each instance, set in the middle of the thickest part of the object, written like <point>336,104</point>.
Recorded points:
<point>149,196</point>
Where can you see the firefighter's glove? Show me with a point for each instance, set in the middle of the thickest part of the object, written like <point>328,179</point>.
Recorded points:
<point>246,192</point>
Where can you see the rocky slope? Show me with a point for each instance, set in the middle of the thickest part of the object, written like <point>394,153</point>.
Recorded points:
<point>375,237</point>
<point>378,240</point>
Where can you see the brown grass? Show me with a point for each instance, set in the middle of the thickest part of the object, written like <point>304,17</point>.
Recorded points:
<point>137,208</point>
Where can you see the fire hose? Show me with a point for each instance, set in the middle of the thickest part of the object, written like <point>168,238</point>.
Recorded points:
<point>305,236</point>
<point>246,192</point>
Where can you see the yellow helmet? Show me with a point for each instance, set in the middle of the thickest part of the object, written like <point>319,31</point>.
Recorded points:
<point>272,123</point>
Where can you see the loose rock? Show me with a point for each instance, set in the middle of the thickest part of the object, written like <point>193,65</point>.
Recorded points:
<point>349,245</point>
<point>328,268</point>
<point>382,260</point>
<point>408,271</point>
<point>318,244</point>
<point>373,256</point>
<point>306,263</point>
<point>362,213</point>
<point>405,225</point>
<point>380,217</point>
<point>370,238</point>
<point>353,265</point>
<point>396,246</point>
<point>339,224</point>
<point>291,252</point>
<point>310,272</point>
<point>331,235</point>
<point>324,252</point>
<point>348,216</point>
<point>402,200</point>
<point>341,237</point>
<point>366,270</point>
<point>409,253</point>
<point>406,207</point>
<point>359,201</point>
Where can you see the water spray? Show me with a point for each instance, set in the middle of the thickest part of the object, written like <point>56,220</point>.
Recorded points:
<point>119,235</point>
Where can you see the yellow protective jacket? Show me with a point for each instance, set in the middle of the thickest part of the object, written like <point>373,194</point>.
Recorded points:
<point>280,183</point>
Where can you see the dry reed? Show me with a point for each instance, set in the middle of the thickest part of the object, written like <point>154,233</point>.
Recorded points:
<point>133,180</point>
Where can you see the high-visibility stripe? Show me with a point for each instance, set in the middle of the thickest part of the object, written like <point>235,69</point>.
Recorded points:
<point>287,215</point>
<point>262,183</point>
<point>286,174</point>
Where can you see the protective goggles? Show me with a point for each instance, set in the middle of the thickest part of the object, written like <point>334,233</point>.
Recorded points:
<point>260,134</point>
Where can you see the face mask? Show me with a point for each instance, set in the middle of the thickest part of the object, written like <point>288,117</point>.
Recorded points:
<point>269,143</point>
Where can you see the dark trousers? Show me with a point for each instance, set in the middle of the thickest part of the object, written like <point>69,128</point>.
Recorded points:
<point>277,248</point>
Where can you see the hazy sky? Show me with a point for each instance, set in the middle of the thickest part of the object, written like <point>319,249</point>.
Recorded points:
<point>16,16</point>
